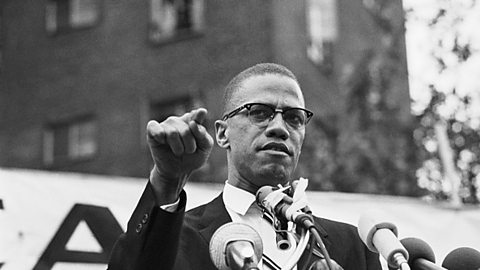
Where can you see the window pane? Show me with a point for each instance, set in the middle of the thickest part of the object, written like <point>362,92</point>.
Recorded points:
<point>83,13</point>
<point>184,16</point>
<point>197,15</point>
<point>48,156</point>
<point>322,29</point>
<point>329,20</point>
<point>69,141</point>
<point>51,17</point>
<point>315,21</point>
<point>163,19</point>
<point>82,141</point>
<point>60,145</point>
<point>64,15</point>
<point>171,18</point>
<point>87,139</point>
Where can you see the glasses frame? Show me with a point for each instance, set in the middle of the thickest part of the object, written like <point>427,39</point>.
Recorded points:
<point>275,110</point>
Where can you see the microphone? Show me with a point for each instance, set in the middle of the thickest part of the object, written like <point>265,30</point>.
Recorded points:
<point>421,256</point>
<point>236,246</point>
<point>277,203</point>
<point>381,237</point>
<point>463,258</point>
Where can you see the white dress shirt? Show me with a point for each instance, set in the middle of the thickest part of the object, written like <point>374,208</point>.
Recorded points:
<point>241,207</point>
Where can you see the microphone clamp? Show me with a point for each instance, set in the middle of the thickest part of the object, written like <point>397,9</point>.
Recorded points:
<point>278,202</point>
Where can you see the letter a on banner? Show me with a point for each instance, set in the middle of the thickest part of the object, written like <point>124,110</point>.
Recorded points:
<point>103,225</point>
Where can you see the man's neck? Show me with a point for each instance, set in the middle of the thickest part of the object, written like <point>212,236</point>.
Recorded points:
<point>244,185</point>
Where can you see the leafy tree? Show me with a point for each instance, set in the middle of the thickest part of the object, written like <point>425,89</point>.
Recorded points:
<point>369,147</point>
<point>448,99</point>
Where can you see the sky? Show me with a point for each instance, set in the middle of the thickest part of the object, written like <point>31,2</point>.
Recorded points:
<point>422,42</point>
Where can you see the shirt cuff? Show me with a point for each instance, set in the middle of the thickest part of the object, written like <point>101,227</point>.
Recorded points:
<point>172,207</point>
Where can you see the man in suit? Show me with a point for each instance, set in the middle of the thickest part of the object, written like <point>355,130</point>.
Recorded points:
<point>262,131</point>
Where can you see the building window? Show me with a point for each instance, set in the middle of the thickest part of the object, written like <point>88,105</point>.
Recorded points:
<point>322,31</point>
<point>175,19</point>
<point>68,15</point>
<point>69,141</point>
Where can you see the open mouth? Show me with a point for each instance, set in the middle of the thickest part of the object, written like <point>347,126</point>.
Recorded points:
<point>278,147</point>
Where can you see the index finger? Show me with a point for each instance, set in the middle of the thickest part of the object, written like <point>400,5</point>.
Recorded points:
<point>198,115</point>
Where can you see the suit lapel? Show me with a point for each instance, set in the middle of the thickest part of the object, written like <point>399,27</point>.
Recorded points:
<point>323,234</point>
<point>215,215</point>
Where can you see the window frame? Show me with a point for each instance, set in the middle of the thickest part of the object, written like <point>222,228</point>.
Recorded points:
<point>178,34</point>
<point>61,23</point>
<point>320,47</point>
<point>73,141</point>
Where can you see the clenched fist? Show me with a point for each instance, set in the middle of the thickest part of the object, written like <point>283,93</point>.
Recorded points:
<point>179,145</point>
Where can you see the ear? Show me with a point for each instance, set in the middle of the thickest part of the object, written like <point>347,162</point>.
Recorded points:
<point>221,134</point>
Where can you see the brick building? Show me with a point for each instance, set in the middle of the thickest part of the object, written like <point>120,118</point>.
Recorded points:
<point>81,78</point>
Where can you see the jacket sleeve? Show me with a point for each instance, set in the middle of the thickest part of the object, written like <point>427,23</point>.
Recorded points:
<point>152,237</point>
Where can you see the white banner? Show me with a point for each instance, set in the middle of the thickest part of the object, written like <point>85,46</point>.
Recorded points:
<point>70,221</point>
<point>56,220</point>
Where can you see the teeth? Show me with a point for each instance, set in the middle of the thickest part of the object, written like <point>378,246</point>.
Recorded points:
<point>277,149</point>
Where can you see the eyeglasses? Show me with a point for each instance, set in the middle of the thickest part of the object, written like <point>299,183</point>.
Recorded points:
<point>261,114</point>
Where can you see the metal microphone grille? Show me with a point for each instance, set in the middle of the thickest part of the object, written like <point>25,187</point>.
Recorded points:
<point>228,233</point>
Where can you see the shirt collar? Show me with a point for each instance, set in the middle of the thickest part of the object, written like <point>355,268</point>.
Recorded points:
<point>236,199</point>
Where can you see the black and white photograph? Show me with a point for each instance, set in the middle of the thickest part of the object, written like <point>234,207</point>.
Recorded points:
<point>240,135</point>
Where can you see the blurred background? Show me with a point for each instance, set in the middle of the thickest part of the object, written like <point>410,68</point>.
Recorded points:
<point>394,87</point>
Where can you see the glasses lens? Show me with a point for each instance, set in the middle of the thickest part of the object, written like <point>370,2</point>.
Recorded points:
<point>260,113</point>
<point>296,118</point>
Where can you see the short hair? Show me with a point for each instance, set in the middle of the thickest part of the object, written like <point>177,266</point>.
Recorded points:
<point>259,69</point>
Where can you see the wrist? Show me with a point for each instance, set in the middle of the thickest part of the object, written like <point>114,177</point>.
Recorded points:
<point>167,188</point>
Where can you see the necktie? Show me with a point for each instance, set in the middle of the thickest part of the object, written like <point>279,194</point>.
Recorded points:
<point>274,256</point>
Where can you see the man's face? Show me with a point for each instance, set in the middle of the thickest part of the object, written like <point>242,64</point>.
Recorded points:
<point>268,155</point>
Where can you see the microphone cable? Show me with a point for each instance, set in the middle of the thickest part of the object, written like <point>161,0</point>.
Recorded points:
<point>310,253</point>
<point>310,226</point>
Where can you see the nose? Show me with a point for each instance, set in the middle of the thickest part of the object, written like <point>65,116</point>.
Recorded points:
<point>277,127</point>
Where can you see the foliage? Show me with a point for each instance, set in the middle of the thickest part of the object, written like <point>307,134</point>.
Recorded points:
<point>369,147</point>
<point>449,104</point>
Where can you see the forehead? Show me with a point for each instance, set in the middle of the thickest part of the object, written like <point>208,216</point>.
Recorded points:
<point>273,89</point>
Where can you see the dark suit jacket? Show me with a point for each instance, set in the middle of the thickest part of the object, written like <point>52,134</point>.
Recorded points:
<point>157,239</point>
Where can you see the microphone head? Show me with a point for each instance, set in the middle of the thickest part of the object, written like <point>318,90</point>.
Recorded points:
<point>381,237</point>
<point>228,233</point>
<point>463,258</point>
<point>418,249</point>
<point>368,225</point>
